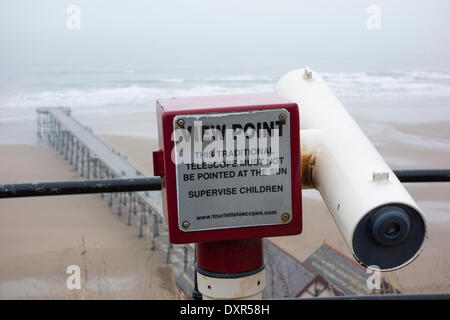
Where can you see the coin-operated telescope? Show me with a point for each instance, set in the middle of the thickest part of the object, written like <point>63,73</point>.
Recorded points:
<point>233,167</point>
<point>381,223</point>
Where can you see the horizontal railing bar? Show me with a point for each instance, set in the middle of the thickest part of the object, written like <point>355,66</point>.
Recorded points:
<point>39,189</point>
<point>60,188</point>
<point>431,296</point>
<point>423,175</point>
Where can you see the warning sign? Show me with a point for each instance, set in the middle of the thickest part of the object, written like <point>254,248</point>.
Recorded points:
<point>233,169</point>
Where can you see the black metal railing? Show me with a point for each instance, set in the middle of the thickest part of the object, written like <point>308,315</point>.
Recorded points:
<point>39,189</point>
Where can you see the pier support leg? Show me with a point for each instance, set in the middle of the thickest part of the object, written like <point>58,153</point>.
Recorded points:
<point>38,125</point>
<point>71,149</point>
<point>119,213</point>
<point>169,252</point>
<point>82,160</point>
<point>77,152</point>
<point>141,222</point>
<point>67,136</point>
<point>186,249</point>
<point>130,208</point>
<point>88,164</point>
<point>155,231</point>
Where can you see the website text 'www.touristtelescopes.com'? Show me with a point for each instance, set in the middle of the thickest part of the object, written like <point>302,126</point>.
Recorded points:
<point>236,214</point>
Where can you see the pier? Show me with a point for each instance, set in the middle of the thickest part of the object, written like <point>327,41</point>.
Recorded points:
<point>93,158</point>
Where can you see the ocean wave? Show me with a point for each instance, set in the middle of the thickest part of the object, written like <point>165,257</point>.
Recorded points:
<point>391,85</point>
<point>173,80</point>
<point>132,95</point>
<point>356,85</point>
<point>241,78</point>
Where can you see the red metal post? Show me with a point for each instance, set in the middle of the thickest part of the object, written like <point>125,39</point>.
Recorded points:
<point>231,269</point>
<point>230,257</point>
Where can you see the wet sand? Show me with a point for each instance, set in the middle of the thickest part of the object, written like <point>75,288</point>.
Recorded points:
<point>41,237</point>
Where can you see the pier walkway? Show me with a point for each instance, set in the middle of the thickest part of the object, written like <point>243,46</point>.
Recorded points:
<point>92,158</point>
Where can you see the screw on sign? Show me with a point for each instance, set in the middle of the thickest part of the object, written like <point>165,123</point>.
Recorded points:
<point>180,123</point>
<point>186,224</point>
<point>282,116</point>
<point>285,217</point>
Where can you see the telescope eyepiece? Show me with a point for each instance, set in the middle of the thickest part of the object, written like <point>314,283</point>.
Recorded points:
<point>389,236</point>
<point>390,225</point>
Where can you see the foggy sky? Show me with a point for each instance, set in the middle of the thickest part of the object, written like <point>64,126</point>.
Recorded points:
<point>329,35</point>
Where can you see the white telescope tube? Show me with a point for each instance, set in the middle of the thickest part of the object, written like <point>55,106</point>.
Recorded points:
<point>381,223</point>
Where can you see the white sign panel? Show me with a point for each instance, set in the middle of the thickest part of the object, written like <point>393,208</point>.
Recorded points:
<point>233,169</point>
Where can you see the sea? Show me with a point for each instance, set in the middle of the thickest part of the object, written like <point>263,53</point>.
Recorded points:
<point>98,91</point>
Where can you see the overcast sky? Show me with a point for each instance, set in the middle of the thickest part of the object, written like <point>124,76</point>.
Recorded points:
<point>328,35</point>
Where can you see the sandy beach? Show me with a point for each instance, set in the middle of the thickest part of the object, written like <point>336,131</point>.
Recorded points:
<point>40,237</point>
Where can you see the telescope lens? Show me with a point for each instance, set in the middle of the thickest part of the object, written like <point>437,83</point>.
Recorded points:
<point>389,236</point>
<point>392,230</point>
<point>390,225</point>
